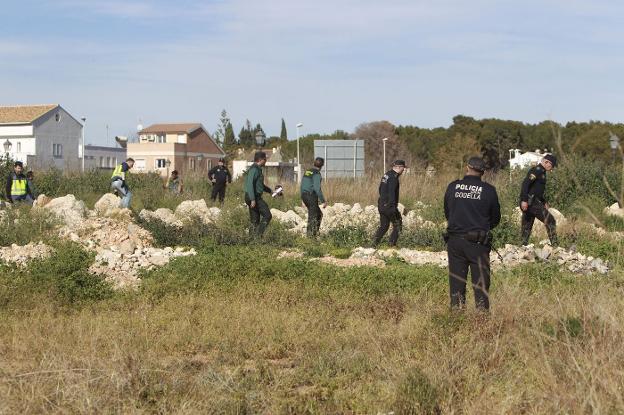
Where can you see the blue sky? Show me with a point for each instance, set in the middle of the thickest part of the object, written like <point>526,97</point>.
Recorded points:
<point>328,64</point>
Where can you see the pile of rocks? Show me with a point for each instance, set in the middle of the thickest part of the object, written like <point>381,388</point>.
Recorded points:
<point>341,215</point>
<point>121,265</point>
<point>21,255</point>
<point>186,211</point>
<point>571,260</point>
<point>511,256</point>
<point>122,247</point>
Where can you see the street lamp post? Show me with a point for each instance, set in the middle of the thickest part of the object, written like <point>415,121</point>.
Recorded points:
<point>260,139</point>
<point>84,123</point>
<point>298,159</point>
<point>7,149</point>
<point>168,164</point>
<point>385,140</point>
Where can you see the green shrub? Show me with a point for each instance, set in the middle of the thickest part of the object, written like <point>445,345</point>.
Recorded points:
<point>62,279</point>
<point>348,236</point>
<point>22,225</point>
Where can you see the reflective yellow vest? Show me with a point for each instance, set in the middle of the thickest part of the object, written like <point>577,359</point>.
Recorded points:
<point>18,187</point>
<point>118,172</point>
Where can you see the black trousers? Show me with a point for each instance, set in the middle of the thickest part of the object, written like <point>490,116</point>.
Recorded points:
<point>315,216</point>
<point>539,211</point>
<point>462,255</point>
<point>218,190</point>
<point>386,217</point>
<point>259,216</point>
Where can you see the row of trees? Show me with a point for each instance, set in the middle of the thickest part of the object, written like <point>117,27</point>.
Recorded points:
<point>247,135</point>
<point>448,147</point>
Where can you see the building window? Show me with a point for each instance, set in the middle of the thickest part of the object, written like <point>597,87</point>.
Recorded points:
<point>160,163</point>
<point>57,150</point>
<point>139,164</point>
<point>102,162</point>
<point>108,161</point>
<point>192,163</point>
<point>161,138</point>
<point>115,161</point>
<point>182,138</point>
<point>57,117</point>
<point>19,147</point>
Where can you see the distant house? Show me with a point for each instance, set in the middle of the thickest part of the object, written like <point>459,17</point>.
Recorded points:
<point>102,157</point>
<point>41,136</point>
<point>276,170</point>
<point>166,147</point>
<point>517,159</point>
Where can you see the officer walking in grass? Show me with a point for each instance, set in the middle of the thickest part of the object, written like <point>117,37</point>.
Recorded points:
<point>534,204</point>
<point>259,212</point>
<point>472,210</point>
<point>311,195</point>
<point>220,177</point>
<point>388,204</point>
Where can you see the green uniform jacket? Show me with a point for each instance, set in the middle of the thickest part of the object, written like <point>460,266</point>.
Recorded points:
<point>254,183</point>
<point>311,183</point>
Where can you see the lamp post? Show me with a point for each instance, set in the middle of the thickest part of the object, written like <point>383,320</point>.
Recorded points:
<point>298,160</point>
<point>84,123</point>
<point>168,164</point>
<point>7,149</point>
<point>385,140</point>
<point>260,139</point>
<point>614,142</point>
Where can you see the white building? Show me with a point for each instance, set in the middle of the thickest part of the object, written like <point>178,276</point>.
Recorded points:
<point>527,159</point>
<point>103,157</point>
<point>41,136</point>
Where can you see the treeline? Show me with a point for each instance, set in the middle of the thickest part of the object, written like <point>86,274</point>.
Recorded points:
<point>443,148</point>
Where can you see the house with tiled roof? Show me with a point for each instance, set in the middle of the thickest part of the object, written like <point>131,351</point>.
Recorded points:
<point>41,136</point>
<point>185,147</point>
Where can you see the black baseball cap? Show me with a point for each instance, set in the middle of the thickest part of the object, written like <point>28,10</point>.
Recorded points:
<point>18,164</point>
<point>399,163</point>
<point>552,159</point>
<point>477,164</point>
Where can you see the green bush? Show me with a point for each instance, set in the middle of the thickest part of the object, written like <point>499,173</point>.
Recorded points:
<point>22,225</point>
<point>63,279</point>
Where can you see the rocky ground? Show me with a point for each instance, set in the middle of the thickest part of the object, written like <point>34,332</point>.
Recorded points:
<point>21,255</point>
<point>510,256</point>
<point>123,248</point>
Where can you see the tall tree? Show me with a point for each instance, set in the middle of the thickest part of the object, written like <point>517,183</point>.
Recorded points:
<point>230,139</point>
<point>246,135</point>
<point>219,135</point>
<point>284,133</point>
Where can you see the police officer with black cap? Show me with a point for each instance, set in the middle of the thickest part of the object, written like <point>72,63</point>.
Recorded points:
<point>388,204</point>
<point>472,210</point>
<point>534,204</point>
<point>219,176</point>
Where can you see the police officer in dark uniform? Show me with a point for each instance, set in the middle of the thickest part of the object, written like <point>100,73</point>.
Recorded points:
<point>311,195</point>
<point>388,204</point>
<point>472,209</point>
<point>534,204</point>
<point>219,176</point>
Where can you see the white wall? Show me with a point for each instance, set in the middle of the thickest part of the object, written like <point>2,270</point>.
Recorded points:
<point>16,130</point>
